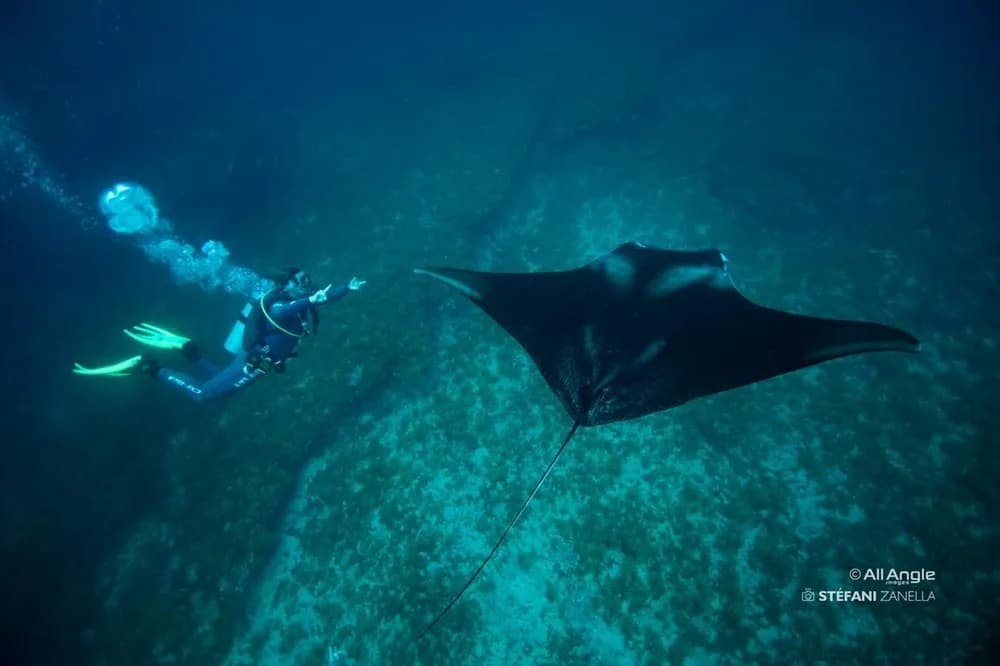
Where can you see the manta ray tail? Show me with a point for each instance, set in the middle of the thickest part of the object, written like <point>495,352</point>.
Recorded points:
<point>510,526</point>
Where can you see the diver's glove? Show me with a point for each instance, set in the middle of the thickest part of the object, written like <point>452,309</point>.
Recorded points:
<point>356,284</point>
<point>154,336</point>
<point>321,295</point>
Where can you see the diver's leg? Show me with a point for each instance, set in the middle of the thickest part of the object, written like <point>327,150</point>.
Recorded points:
<point>234,376</point>
<point>230,378</point>
<point>181,381</point>
<point>206,368</point>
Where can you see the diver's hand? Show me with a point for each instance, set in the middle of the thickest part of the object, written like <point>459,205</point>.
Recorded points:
<point>356,284</point>
<point>320,296</point>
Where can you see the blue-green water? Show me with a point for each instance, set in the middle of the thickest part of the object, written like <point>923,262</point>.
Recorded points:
<point>843,157</point>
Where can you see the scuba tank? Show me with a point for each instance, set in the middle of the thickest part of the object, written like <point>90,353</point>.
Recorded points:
<point>234,341</point>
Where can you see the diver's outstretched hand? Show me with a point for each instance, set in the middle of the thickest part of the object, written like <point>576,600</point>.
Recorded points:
<point>321,295</point>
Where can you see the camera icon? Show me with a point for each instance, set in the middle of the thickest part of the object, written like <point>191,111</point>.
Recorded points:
<point>808,595</point>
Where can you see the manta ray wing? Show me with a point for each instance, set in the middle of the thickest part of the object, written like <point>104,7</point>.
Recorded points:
<point>641,330</point>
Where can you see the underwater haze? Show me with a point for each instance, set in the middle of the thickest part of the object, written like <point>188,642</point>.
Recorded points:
<point>843,156</point>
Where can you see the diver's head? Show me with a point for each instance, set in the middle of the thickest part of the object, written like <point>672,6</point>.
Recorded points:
<point>295,282</point>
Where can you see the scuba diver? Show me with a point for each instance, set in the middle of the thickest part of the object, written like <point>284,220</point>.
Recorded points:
<point>262,341</point>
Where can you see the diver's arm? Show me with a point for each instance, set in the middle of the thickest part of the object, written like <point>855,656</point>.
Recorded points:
<point>324,295</point>
<point>299,305</point>
<point>335,294</point>
<point>283,309</point>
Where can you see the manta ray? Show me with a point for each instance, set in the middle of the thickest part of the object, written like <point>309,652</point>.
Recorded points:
<point>641,330</point>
